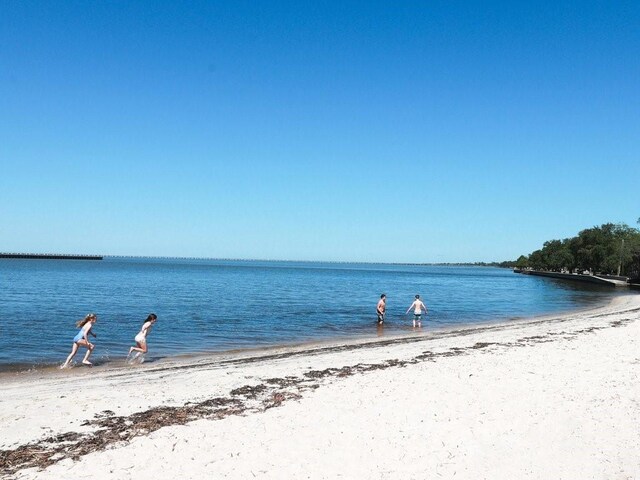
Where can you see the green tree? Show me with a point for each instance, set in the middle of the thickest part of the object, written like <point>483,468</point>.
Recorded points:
<point>537,260</point>
<point>522,262</point>
<point>557,255</point>
<point>601,249</point>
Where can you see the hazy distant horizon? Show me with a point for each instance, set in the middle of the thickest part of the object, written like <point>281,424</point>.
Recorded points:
<point>174,257</point>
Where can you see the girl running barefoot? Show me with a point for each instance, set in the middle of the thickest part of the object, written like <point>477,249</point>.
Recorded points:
<point>141,337</point>
<point>82,339</point>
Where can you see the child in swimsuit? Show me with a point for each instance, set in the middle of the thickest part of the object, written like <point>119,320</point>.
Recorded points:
<point>141,337</point>
<point>82,339</point>
<point>417,306</point>
<point>381,308</point>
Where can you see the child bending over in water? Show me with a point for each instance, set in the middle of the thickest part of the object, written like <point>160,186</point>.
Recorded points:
<point>82,339</point>
<point>141,337</point>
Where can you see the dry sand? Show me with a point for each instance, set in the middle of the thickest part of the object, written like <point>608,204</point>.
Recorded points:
<point>548,398</point>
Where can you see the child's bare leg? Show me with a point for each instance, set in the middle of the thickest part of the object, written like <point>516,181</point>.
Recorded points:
<point>85,360</point>
<point>74,350</point>
<point>140,347</point>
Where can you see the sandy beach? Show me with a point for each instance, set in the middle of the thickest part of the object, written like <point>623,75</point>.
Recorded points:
<point>546,398</point>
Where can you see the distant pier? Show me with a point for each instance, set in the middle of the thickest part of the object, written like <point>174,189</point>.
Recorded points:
<point>50,256</point>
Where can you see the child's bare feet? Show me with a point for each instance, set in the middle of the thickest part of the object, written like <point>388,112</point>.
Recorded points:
<point>87,362</point>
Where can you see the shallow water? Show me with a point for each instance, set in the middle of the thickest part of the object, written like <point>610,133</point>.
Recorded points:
<point>212,305</point>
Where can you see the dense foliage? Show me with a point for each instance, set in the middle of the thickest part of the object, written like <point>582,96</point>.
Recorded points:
<point>603,249</point>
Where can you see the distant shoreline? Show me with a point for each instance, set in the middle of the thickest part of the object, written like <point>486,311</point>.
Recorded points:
<point>56,256</point>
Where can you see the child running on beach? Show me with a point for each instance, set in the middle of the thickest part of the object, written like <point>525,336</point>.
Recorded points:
<point>82,339</point>
<point>141,337</point>
<point>417,306</point>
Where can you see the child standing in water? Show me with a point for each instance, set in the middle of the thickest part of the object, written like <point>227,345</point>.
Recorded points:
<point>418,307</point>
<point>381,308</point>
<point>82,339</point>
<point>141,337</point>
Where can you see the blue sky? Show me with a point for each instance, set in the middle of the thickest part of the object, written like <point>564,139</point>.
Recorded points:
<point>365,131</point>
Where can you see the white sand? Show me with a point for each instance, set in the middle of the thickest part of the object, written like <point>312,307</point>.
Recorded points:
<point>564,405</point>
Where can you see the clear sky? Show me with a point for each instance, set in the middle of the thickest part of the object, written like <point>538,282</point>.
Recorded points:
<point>366,131</point>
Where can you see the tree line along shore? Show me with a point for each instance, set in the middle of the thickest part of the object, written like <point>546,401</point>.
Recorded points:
<point>611,249</point>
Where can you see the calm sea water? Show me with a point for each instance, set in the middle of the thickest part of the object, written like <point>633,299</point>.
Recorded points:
<point>206,305</point>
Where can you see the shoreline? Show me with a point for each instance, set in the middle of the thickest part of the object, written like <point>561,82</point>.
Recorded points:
<point>8,370</point>
<point>217,396</point>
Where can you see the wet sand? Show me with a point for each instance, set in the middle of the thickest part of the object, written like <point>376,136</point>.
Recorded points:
<point>553,397</point>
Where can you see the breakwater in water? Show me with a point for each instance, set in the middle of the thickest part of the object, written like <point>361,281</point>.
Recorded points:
<point>49,256</point>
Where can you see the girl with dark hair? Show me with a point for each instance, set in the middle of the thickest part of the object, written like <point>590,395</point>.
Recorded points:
<point>141,337</point>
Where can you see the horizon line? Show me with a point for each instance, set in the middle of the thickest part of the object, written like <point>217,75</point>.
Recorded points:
<point>162,257</point>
